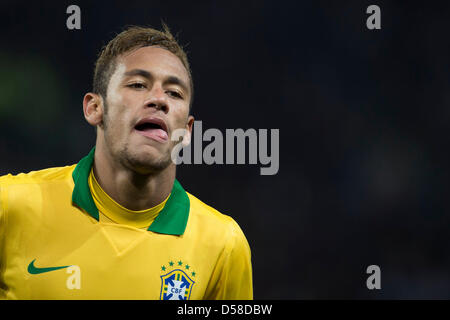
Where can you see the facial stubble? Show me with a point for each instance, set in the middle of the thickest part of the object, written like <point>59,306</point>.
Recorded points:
<point>141,163</point>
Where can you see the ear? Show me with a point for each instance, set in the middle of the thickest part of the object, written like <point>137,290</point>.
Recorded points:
<point>188,134</point>
<point>93,109</point>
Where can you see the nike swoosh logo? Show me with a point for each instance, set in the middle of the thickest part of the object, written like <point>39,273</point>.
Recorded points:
<point>32,269</point>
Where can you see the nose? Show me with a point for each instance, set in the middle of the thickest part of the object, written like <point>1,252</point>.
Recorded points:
<point>157,99</point>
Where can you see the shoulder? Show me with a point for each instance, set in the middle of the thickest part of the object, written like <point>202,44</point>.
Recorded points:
<point>25,187</point>
<point>22,193</point>
<point>210,221</point>
<point>209,214</point>
<point>37,177</point>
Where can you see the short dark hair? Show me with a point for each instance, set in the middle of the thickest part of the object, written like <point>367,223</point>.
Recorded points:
<point>131,38</point>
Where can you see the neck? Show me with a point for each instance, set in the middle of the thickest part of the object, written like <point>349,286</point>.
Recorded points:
<point>130,189</point>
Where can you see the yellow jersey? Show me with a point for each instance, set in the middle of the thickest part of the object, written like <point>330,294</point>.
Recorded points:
<point>54,244</point>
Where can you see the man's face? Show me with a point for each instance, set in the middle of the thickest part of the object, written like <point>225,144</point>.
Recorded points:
<point>147,99</point>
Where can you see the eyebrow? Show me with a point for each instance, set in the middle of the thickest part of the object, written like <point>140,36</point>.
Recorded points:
<point>149,76</point>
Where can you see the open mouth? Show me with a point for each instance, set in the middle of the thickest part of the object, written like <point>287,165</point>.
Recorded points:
<point>152,128</point>
<point>148,126</point>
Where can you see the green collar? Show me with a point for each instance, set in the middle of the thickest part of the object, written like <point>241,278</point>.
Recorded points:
<point>171,220</point>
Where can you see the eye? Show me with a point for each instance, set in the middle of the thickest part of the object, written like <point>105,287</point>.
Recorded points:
<point>137,85</point>
<point>175,94</point>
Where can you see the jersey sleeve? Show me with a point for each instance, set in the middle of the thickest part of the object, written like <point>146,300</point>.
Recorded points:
<point>2,220</point>
<point>235,280</point>
<point>2,240</point>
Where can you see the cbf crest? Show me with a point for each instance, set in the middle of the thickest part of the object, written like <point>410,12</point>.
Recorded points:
<point>177,284</point>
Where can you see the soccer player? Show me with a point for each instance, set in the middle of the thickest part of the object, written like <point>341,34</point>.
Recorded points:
<point>118,225</point>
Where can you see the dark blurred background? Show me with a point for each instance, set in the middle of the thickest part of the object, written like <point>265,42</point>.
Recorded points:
<point>363,118</point>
